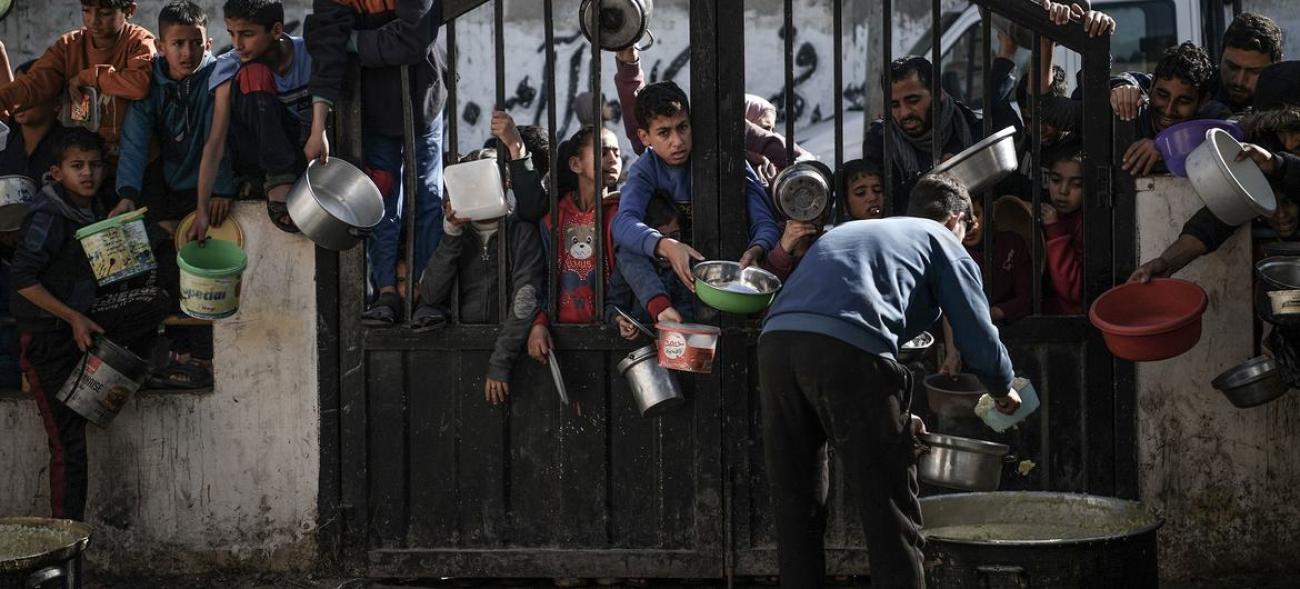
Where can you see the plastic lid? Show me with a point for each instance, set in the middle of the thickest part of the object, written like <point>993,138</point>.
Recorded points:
<point>110,223</point>
<point>696,328</point>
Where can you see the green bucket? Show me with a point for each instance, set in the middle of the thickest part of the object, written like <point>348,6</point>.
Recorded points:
<point>211,271</point>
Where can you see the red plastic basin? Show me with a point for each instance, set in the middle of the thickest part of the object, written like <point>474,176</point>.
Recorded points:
<point>1149,322</point>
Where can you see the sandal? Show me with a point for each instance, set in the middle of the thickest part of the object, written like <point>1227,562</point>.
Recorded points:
<point>279,214</point>
<point>428,318</point>
<point>386,311</point>
<point>181,375</point>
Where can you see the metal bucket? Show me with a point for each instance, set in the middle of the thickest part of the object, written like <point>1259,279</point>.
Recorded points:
<point>653,386</point>
<point>109,374</point>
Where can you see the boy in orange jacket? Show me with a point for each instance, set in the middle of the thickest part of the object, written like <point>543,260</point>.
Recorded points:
<point>108,54</point>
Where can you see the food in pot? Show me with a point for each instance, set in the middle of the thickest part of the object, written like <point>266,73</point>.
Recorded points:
<point>19,542</point>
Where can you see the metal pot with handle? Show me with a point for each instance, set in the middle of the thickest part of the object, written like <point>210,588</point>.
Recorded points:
<point>335,204</point>
<point>622,22</point>
<point>653,386</point>
<point>802,191</point>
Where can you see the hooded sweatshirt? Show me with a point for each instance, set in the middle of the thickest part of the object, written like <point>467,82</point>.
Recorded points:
<point>178,114</point>
<point>120,71</point>
<point>50,255</point>
<point>1065,264</point>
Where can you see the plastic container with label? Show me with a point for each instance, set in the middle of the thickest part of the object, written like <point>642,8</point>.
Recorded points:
<point>476,190</point>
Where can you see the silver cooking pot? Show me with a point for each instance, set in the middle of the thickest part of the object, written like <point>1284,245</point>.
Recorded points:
<point>961,463</point>
<point>803,190</point>
<point>16,193</point>
<point>1251,383</point>
<point>653,387</point>
<point>622,22</point>
<point>984,164</point>
<point>335,204</point>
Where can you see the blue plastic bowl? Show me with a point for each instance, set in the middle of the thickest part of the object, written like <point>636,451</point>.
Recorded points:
<point>1176,142</point>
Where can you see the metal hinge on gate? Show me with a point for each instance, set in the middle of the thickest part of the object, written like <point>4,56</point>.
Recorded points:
<point>1106,186</point>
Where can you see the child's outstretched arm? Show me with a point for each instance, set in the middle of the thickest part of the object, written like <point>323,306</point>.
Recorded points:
<point>629,80</point>
<point>763,229</point>
<point>133,154</point>
<point>130,82</point>
<point>526,269</point>
<point>214,150</point>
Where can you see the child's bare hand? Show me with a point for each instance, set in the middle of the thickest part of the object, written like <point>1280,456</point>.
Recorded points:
<point>89,77</point>
<point>1096,22</point>
<point>629,55</point>
<point>1262,157</point>
<point>752,256</point>
<point>1050,214</point>
<point>449,214</point>
<point>1058,13</point>
<point>669,315</point>
<point>496,391</point>
<point>125,205</point>
<point>794,232</point>
<point>199,229</point>
<point>218,210</point>
<point>504,129</point>
<point>1125,101</point>
<point>539,343</point>
<point>84,330</point>
<point>317,146</point>
<point>679,256</point>
<point>626,330</point>
<point>1141,157</point>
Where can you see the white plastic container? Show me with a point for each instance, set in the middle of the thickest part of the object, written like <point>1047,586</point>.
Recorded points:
<point>1235,191</point>
<point>999,421</point>
<point>476,190</point>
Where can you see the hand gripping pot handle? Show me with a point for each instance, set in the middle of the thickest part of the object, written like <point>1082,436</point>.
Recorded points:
<point>987,573</point>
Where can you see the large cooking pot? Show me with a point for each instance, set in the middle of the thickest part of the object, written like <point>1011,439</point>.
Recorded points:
<point>653,386</point>
<point>961,463</point>
<point>984,164</point>
<point>622,22</point>
<point>16,192</point>
<point>335,204</point>
<point>1022,539</point>
<point>1251,383</point>
<point>802,191</point>
<point>41,552</point>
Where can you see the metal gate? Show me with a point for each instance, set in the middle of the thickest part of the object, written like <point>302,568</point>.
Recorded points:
<point>422,478</point>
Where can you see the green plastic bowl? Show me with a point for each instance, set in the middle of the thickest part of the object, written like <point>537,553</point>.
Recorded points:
<point>724,286</point>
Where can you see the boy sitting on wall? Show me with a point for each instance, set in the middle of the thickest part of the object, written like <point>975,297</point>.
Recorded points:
<point>60,312</point>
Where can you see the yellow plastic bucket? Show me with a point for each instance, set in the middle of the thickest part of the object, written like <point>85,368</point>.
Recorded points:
<point>117,248</point>
<point>211,271</point>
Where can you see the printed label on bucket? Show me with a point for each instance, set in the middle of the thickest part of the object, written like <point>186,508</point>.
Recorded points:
<point>97,392</point>
<point>209,298</point>
<point>118,253</point>
<point>674,345</point>
<point>1285,302</point>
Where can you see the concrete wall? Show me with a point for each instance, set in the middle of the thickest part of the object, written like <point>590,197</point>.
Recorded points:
<point>190,482</point>
<point>1227,480</point>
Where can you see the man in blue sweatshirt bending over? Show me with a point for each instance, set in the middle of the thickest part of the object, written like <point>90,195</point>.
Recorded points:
<point>828,374</point>
<point>663,119</point>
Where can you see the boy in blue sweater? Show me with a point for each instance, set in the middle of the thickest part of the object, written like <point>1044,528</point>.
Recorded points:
<point>828,374</point>
<point>663,119</point>
<point>176,116</point>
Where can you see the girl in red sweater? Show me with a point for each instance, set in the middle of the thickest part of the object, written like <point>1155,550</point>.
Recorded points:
<point>1063,223</point>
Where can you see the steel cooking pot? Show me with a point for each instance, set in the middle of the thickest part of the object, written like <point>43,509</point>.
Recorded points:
<point>16,192</point>
<point>653,387</point>
<point>802,191</point>
<point>1252,383</point>
<point>36,550</point>
<point>335,204</point>
<point>622,22</point>
<point>984,164</point>
<point>961,463</point>
<point>914,348</point>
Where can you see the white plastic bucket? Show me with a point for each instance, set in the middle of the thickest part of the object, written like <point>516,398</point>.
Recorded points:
<point>117,248</point>
<point>1235,191</point>
<point>476,190</point>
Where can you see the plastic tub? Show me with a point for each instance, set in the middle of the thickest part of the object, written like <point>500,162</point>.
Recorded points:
<point>1235,191</point>
<point>117,248</point>
<point>211,271</point>
<point>1178,141</point>
<point>1149,322</point>
<point>476,190</point>
<point>688,347</point>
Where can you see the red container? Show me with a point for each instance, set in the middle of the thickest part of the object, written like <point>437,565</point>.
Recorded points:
<point>688,347</point>
<point>1149,322</point>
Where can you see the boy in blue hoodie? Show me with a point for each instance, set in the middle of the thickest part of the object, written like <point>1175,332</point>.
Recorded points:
<point>177,116</point>
<point>663,119</point>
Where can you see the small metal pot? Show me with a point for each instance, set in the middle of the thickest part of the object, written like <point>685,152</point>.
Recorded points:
<point>914,348</point>
<point>622,22</point>
<point>1251,383</point>
<point>802,191</point>
<point>653,386</point>
<point>961,463</point>
<point>725,286</point>
<point>16,193</point>
<point>984,164</point>
<point>335,204</point>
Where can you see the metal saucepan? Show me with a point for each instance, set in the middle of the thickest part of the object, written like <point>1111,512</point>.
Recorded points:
<point>1252,383</point>
<point>984,164</point>
<point>725,286</point>
<point>653,386</point>
<point>36,549</point>
<point>961,463</point>
<point>915,347</point>
<point>622,22</point>
<point>802,191</point>
<point>335,204</point>
<point>16,193</point>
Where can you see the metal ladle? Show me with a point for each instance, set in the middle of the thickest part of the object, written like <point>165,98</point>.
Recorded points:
<point>640,326</point>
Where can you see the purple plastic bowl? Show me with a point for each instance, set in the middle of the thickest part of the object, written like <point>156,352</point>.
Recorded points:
<point>1176,142</point>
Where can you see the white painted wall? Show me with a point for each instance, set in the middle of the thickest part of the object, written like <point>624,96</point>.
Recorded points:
<point>1227,480</point>
<point>186,483</point>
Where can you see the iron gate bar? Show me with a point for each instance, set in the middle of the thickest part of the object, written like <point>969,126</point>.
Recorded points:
<point>553,207</point>
<point>788,23</point>
<point>453,82</point>
<point>886,83</point>
<point>1036,168</point>
<point>503,156</point>
<point>409,196</point>
<point>987,223</point>
<point>598,162</point>
<point>837,76</point>
<point>936,81</point>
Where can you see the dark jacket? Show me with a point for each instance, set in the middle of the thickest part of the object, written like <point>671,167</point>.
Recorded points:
<point>1012,274</point>
<point>874,149</point>
<point>464,255</point>
<point>14,160</point>
<point>1209,230</point>
<point>667,288</point>
<point>385,34</point>
<point>50,255</point>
